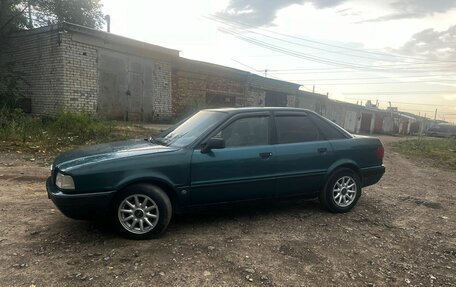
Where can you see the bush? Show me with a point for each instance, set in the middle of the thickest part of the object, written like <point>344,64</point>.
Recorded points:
<point>80,126</point>
<point>15,125</point>
<point>12,84</point>
<point>20,132</point>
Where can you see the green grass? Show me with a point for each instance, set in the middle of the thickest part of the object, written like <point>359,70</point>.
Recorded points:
<point>440,152</point>
<point>45,135</point>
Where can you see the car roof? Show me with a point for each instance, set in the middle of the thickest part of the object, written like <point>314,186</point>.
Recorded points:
<point>258,109</point>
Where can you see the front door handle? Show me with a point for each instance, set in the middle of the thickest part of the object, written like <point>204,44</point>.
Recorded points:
<point>322,150</point>
<point>265,155</point>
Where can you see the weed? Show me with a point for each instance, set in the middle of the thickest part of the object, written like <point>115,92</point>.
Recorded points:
<point>20,132</point>
<point>442,152</point>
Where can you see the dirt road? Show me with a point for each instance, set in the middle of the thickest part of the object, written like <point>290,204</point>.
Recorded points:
<point>402,233</point>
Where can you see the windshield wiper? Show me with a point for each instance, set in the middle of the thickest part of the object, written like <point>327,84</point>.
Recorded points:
<point>156,141</point>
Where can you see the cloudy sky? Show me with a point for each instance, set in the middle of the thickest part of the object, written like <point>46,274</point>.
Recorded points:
<point>398,51</point>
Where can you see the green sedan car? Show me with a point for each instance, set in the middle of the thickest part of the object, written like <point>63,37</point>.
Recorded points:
<point>217,156</point>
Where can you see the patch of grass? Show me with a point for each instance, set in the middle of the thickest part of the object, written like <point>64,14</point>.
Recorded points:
<point>44,135</point>
<point>441,152</point>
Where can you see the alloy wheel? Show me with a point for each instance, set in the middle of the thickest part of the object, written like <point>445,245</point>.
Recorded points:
<point>138,213</point>
<point>344,191</point>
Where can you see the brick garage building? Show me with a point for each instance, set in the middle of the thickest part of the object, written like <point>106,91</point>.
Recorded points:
<point>73,68</point>
<point>198,85</point>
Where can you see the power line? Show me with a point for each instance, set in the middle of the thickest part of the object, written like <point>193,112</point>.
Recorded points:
<point>228,21</point>
<point>307,46</point>
<point>290,52</point>
<point>247,66</point>
<point>253,69</point>
<point>368,69</point>
<point>379,83</point>
<point>402,93</point>
<point>298,54</point>
<point>372,66</point>
<point>389,71</point>
<point>373,78</point>
<point>405,103</point>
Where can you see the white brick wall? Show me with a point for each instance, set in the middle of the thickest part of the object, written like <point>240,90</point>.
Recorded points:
<point>63,75</point>
<point>38,56</point>
<point>80,75</point>
<point>161,85</point>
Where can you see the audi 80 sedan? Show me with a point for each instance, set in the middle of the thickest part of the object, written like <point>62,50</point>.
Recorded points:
<point>215,157</point>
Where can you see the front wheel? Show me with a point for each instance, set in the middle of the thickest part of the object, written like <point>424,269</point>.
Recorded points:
<point>342,191</point>
<point>141,211</point>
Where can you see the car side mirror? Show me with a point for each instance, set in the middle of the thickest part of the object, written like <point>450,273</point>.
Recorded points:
<point>213,143</point>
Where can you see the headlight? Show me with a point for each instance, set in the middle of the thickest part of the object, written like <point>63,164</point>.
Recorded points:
<point>64,181</point>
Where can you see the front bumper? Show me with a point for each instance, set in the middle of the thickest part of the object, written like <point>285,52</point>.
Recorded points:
<point>372,175</point>
<point>80,206</point>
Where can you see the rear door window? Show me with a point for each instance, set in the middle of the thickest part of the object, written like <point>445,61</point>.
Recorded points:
<point>329,131</point>
<point>296,129</point>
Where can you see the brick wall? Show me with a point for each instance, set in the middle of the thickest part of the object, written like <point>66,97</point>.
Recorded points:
<point>71,68</point>
<point>63,74</point>
<point>161,88</point>
<point>38,56</point>
<point>192,91</point>
<point>253,98</point>
<point>80,75</point>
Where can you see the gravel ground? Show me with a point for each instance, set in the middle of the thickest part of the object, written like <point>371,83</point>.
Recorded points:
<point>401,233</point>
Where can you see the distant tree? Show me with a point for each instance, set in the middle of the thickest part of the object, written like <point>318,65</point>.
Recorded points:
<point>82,12</point>
<point>12,16</point>
<point>18,15</point>
<point>11,19</point>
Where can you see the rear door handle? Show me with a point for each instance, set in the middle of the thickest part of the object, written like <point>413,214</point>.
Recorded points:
<point>265,155</point>
<point>322,150</point>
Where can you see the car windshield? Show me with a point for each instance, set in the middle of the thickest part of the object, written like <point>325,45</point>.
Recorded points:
<point>191,129</point>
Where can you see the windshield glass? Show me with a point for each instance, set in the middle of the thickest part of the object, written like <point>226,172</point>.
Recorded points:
<point>191,129</point>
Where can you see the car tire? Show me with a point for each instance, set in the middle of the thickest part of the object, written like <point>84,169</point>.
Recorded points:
<point>342,191</point>
<point>141,211</point>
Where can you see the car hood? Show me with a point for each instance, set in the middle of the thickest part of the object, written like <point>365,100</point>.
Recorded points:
<point>108,151</point>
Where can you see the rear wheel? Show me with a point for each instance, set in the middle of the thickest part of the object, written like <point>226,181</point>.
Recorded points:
<point>141,211</point>
<point>342,191</point>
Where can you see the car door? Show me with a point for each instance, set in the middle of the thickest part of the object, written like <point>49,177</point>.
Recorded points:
<point>303,156</point>
<point>243,170</point>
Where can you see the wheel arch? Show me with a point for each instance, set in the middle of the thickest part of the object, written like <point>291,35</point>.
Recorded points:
<point>167,187</point>
<point>350,164</point>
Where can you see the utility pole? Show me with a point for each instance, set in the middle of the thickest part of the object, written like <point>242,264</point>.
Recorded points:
<point>435,114</point>
<point>313,89</point>
<point>30,22</point>
<point>108,23</point>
